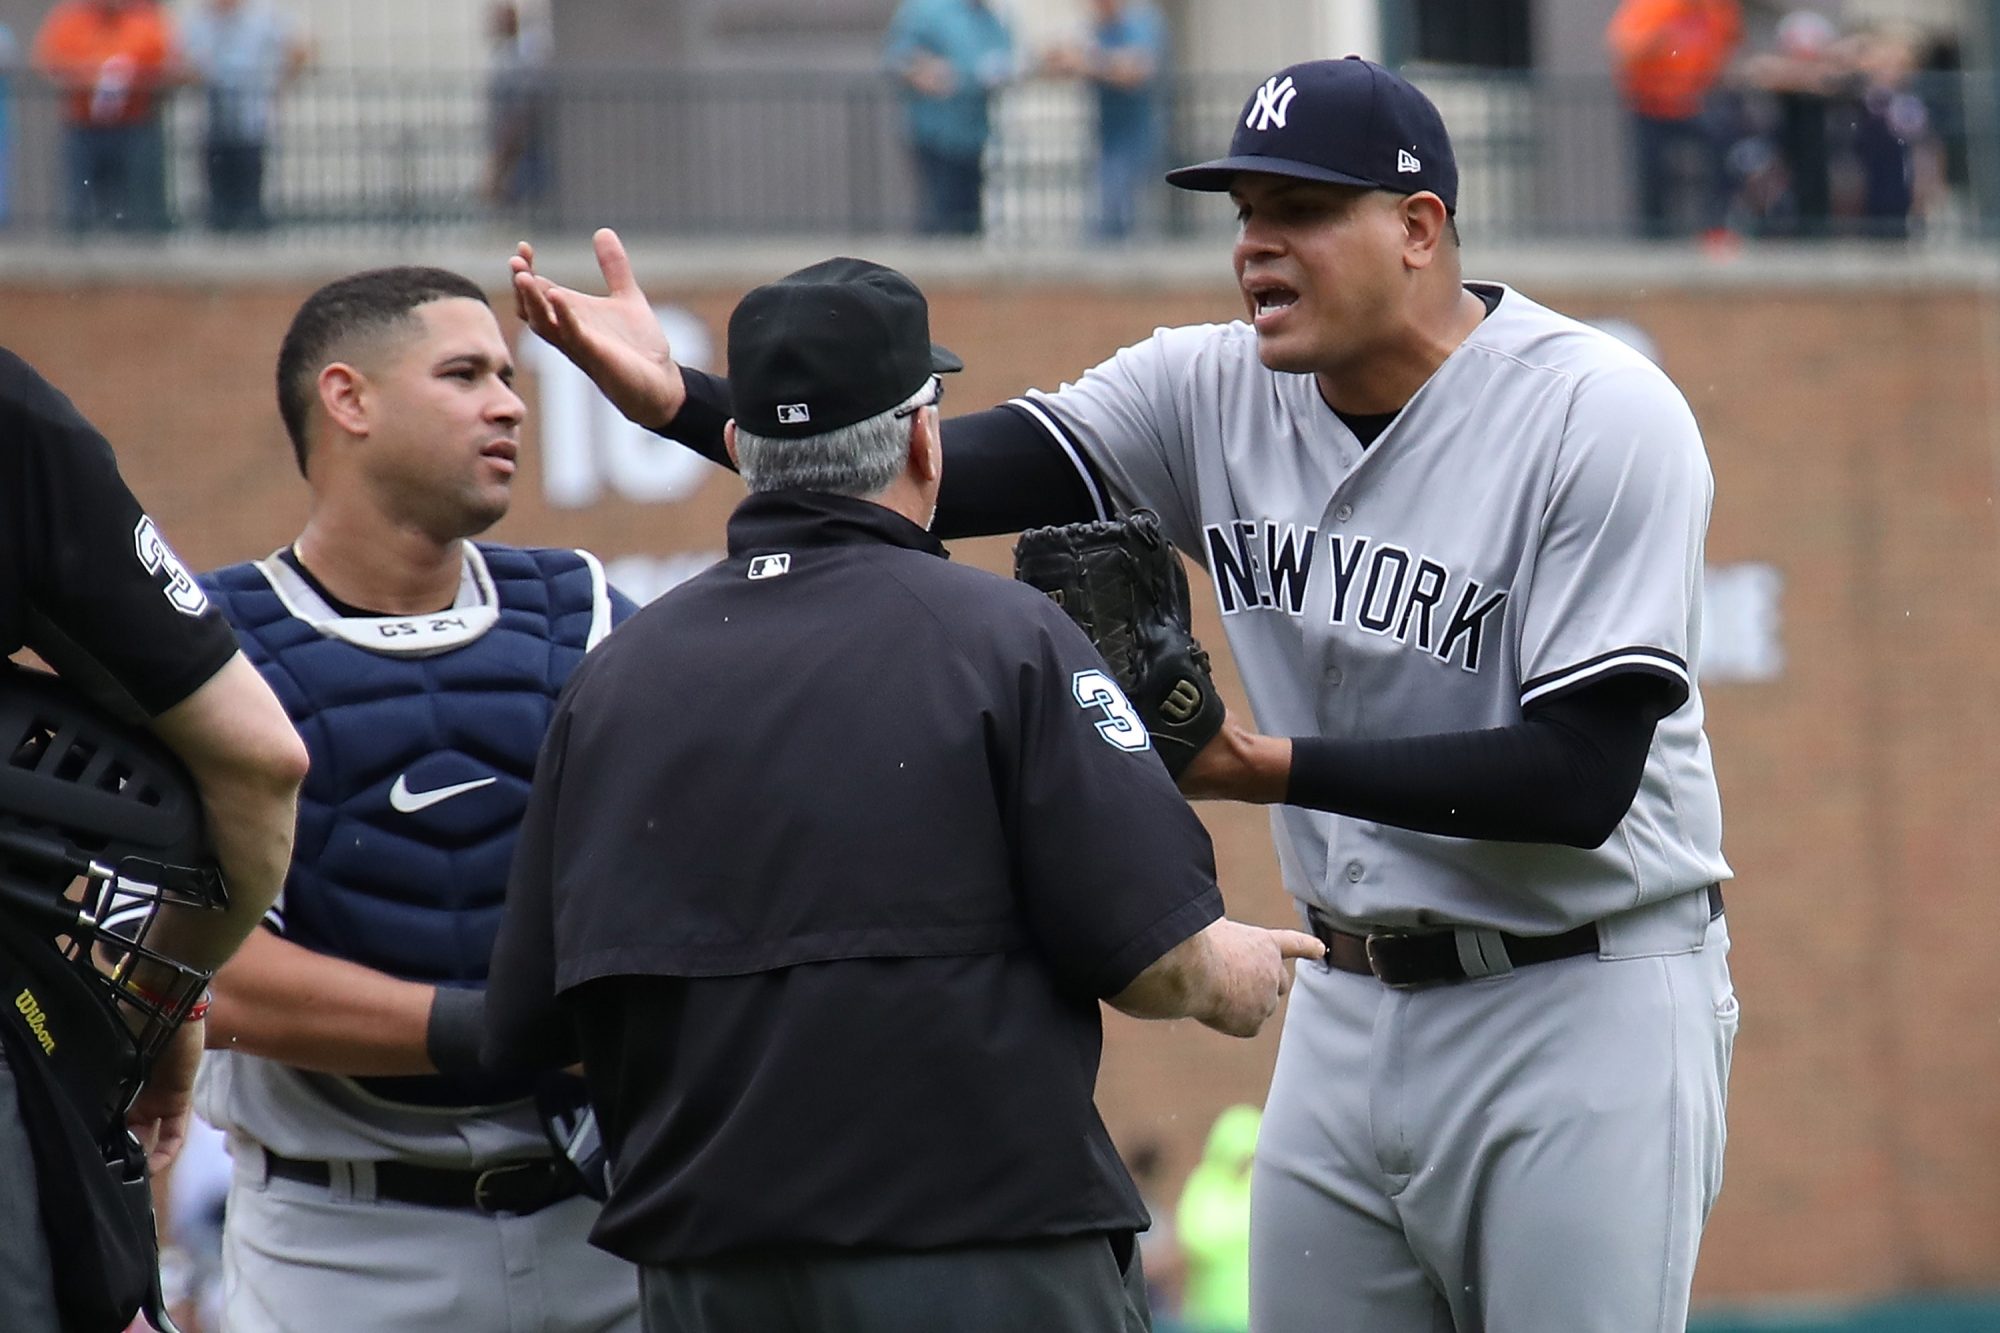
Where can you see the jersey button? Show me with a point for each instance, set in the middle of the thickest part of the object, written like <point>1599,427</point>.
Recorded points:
<point>1333,676</point>
<point>1344,513</point>
<point>1353,872</point>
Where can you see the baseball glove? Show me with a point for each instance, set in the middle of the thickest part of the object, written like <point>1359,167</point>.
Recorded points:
<point>1123,584</point>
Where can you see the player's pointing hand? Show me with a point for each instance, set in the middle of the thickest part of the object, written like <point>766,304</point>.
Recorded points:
<point>615,339</point>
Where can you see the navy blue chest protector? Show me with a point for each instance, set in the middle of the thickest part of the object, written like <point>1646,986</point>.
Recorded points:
<point>423,733</point>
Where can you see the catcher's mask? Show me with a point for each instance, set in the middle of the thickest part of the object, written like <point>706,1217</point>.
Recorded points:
<point>100,826</point>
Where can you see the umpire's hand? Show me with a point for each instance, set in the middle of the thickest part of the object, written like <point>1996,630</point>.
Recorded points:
<point>159,1115</point>
<point>1229,976</point>
<point>1252,971</point>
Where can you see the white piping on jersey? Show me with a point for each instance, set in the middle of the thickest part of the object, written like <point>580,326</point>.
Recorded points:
<point>1632,657</point>
<point>600,601</point>
<point>475,610</point>
<point>1076,460</point>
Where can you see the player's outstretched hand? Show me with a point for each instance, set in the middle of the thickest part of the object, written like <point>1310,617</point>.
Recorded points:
<point>1252,972</point>
<point>615,338</point>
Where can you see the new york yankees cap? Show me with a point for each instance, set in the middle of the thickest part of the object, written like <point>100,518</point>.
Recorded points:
<point>835,343</point>
<point>1349,121</point>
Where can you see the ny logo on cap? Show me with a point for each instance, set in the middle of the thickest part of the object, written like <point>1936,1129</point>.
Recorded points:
<point>1273,100</point>
<point>1406,161</point>
<point>794,414</point>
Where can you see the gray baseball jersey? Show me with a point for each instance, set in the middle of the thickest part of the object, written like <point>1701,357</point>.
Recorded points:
<point>1533,520</point>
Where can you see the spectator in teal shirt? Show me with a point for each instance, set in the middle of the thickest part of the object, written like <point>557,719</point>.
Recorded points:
<point>950,56</point>
<point>1127,52</point>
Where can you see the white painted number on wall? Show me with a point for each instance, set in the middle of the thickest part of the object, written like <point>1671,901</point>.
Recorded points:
<point>589,447</point>
<point>1743,623</point>
<point>1121,725</point>
<point>159,558</point>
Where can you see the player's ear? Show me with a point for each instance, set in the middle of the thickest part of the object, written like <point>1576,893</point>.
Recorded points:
<point>729,442</point>
<point>343,396</point>
<point>1426,228</point>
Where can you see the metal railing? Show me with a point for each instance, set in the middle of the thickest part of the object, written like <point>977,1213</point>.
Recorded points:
<point>380,154</point>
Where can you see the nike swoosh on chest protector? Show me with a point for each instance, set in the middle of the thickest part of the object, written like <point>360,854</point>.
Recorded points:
<point>409,802</point>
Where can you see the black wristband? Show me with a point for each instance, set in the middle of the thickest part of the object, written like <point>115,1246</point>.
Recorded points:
<point>457,1027</point>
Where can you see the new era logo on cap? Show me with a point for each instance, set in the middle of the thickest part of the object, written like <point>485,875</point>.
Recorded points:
<point>794,414</point>
<point>1406,161</point>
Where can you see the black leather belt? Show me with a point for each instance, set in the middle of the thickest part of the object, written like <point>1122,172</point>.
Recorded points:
<point>1406,959</point>
<point>511,1187</point>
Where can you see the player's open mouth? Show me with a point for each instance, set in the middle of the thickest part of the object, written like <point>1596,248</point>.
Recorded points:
<point>1268,303</point>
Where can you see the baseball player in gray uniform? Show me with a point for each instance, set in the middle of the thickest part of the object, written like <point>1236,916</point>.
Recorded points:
<point>384,1178</point>
<point>1456,539</point>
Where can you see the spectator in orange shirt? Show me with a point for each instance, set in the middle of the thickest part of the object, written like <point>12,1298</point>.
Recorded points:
<point>1669,55</point>
<point>112,59</point>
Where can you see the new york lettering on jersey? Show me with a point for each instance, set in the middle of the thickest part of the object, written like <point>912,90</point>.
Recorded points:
<point>1376,586</point>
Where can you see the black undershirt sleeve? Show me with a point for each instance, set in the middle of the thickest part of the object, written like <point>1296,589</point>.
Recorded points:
<point>698,424</point>
<point>1566,773</point>
<point>1002,471</point>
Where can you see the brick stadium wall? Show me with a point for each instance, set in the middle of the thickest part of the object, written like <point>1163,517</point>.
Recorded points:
<point>1853,442</point>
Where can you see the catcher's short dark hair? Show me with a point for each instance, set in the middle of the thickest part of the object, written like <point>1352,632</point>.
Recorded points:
<point>359,304</point>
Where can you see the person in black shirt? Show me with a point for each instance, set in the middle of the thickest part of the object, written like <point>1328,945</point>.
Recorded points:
<point>832,854</point>
<point>88,582</point>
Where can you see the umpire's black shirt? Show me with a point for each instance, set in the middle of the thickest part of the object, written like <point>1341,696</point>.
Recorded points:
<point>833,851</point>
<point>85,578</point>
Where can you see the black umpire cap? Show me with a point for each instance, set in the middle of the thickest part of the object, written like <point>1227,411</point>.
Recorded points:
<point>832,344</point>
<point>1350,122</point>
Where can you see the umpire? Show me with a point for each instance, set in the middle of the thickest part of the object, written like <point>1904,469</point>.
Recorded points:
<point>833,852</point>
<point>88,582</point>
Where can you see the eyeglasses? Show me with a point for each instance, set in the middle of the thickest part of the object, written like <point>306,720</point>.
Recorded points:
<point>937,396</point>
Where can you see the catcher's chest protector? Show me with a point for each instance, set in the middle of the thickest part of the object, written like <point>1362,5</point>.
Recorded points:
<point>421,760</point>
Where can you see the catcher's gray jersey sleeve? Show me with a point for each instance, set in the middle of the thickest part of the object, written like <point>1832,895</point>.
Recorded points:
<point>1617,572</point>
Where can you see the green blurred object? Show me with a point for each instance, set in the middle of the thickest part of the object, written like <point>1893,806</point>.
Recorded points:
<point>1916,1315</point>
<point>1214,1224</point>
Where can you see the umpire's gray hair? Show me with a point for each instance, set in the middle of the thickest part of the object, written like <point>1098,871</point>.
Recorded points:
<point>859,460</point>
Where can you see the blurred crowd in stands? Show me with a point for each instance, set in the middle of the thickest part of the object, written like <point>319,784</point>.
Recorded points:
<point>1819,132</point>
<point>1746,120</point>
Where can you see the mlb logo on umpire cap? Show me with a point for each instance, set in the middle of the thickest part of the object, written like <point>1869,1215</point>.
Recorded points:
<point>1348,122</point>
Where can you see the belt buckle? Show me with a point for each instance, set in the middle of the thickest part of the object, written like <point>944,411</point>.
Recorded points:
<point>1377,961</point>
<point>492,1178</point>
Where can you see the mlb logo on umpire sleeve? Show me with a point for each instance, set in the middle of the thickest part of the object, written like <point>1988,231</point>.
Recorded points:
<point>771,566</point>
<point>794,414</point>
